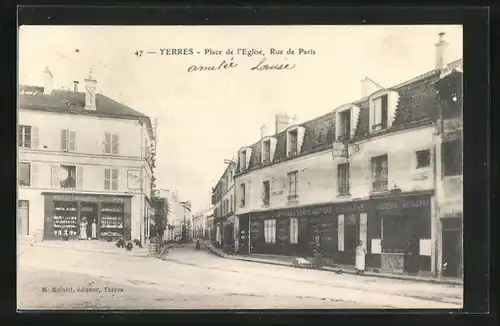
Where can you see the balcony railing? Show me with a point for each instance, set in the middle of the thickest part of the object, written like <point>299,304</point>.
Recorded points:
<point>379,185</point>
<point>293,197</point>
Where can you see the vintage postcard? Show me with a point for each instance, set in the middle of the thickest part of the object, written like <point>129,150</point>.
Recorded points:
<point>240,167</point>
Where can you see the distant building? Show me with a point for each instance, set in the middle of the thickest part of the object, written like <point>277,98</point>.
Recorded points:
<point>200,223</point>
<point>82,157</point>
<point>179,214</point>
<point>223,201</point>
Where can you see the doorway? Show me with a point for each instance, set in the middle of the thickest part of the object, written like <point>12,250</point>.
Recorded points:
<point>351,238</point>
<point>451,253</point>
<point>23,217</point>
<point>88,213</point>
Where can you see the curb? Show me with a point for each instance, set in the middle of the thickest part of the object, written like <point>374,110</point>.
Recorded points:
<point>394,277</point>
<point>131,254</point>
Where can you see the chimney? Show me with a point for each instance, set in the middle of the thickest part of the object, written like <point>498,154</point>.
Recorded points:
<point>264,131</point>
<point>282,122</point>
<point>48,81</point>
<point>441,52</point>
<point>90,93</point>
<point>368,87</point>
<point>75,86</point>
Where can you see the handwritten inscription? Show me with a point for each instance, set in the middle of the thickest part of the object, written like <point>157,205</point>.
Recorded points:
<point>262,66</point>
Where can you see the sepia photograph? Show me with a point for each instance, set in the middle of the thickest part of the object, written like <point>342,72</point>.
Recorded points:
<point>240,167</point>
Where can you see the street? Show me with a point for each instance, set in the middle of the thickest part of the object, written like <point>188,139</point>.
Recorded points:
<point>193,279</point>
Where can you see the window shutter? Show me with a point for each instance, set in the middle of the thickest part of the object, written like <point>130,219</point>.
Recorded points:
<point>393,99</point>
<point>34,174</point>
<point>363,229</point>
<point>54,176</point>
<point>301,131</point>
<point>114,179</point>
<point>248,156</point>
<point>34,137</point>
<point>272,148</point>
<point>115,142</point>
<point>64,140</point>
<point>72,141</point>
<point>79,177</point>
<point>107,179</point>
<point>384,109</point>
<point>354,119</point>
<point>340,231</point>
<point>107,143</point>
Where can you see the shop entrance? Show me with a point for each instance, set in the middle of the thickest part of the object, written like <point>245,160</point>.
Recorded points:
<point>88,221</point>
<point>23,217</point>
<point>351,238</point>
<point>452,248</point>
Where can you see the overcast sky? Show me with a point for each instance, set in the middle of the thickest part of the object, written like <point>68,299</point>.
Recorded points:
<point>205,117</point>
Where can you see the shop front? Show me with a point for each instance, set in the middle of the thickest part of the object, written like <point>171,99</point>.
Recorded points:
<point>87,217</point>
<point>452,239</point>
<point>399,233</point>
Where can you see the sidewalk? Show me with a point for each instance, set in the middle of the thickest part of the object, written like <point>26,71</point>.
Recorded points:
<point>94,245</point>
<point>287,261</point>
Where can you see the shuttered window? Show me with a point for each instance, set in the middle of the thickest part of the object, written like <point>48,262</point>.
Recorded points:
<point>68,140</point>
<point>110,179</point>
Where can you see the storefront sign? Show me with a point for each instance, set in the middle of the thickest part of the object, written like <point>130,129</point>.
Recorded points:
<point>312,211</point>
<point>87,198</point>
<point>354,207</point>
<point>394,205</point>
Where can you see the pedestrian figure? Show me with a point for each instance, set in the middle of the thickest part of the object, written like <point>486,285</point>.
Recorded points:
<point>360,257</point>
<point>83,229</point>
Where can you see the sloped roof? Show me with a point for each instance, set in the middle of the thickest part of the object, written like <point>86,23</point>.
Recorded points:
<point>418,104</point>
<point>63,101</point>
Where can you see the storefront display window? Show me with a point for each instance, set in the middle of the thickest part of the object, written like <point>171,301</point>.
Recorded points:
<point>111,220</point>
<point>65,219</point>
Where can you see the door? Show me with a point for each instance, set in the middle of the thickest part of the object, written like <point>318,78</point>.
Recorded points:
<point>23,217</point>
<point>351,237</point>
<point>451,253</point>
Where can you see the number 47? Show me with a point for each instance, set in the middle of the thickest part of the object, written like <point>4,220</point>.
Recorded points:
<point>139,53</point>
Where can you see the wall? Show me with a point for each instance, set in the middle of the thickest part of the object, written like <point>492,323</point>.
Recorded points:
<point>317,173</point>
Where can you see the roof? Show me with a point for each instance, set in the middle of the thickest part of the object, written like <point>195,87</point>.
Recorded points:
<point>69,102</point>
<point>417,106</point>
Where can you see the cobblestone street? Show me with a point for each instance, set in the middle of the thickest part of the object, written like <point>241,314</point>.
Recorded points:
<point>197,280</point>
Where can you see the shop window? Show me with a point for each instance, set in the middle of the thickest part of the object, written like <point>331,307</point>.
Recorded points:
<point>242,194</point>
<point>394,235</point>
<point>24,174</point>
<point>343,179</point>
<point>270,231</point>
<point>266,192</point>
<point>68,177</point>
<point>379,173</point>
<point>292,142</point>
<point>345,125</point>
<point>110,179</point>
<point>292,185</point>
<point>294,230</point>
<point>379,113</point>
<point>112,145</point>
<point>24,136</point>
<point>452,157</point>
<point>266,152</point>
<point>423,158</point>
<point>68,140</point>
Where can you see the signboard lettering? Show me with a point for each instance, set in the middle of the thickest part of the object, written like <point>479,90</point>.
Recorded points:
<point>87,198</point>
<point>402,205</point>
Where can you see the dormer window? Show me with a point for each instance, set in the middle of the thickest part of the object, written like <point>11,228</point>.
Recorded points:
<point>292,143</point>
<point>345,125</point>
<point>379,113</point>
<point>243,160</point>
<point>383,109</point>
<point>266,151</point>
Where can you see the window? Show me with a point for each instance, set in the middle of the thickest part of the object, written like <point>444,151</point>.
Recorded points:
<point>292,143</point>
<point>345,125</point>
<point>292,184</point>
<point>24,174</point>
<point>231,204</point>
<point>379,173</point>
<point>423,158</point>
<point>68,177</point>
<point>243,195</point>
<point>24,136</point>
<point>243,160</point>
<point>379,113</point>
<point>110,179</point>
<point>270,231</point>
<point>266,192</point>
<point>266,152</point>
<point>452,157</point>
<point>343,179</point>
<point>112,145</point>
<point>68,140</point>
<point>294,230</point>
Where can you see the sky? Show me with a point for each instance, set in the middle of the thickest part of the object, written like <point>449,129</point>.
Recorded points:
<point>205,117</point>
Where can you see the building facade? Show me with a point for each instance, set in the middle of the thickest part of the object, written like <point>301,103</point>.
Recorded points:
<point>83,159</point>
<point>368,171</point>
<point>179,216</point>
<point>200,230</point>
<point>225,224</point>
